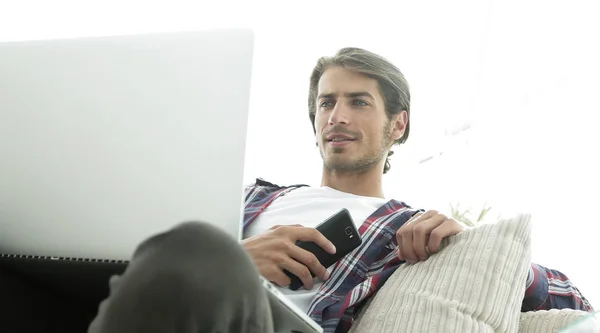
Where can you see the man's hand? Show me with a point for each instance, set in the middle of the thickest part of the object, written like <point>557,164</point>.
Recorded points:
<point>422,235</point>
<point>276,250</point>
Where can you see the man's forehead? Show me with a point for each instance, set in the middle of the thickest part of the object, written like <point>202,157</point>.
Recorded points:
<point>339,81</point>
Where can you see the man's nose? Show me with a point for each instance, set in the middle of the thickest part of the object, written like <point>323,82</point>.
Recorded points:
<point>339,115</point>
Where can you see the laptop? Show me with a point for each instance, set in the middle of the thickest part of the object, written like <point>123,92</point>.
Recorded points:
<point>106,141</point>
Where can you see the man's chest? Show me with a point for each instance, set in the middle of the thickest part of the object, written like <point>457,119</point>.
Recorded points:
<point>311,206</point>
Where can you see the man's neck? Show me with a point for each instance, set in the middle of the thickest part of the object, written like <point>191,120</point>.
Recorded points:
<point>368,184</point>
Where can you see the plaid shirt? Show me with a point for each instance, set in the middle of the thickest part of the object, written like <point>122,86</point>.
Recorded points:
<point>361,273</point>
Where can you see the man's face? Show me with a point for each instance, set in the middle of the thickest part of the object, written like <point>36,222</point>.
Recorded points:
<point>353,130</point>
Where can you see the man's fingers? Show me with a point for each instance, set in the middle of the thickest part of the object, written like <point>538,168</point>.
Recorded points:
<point>423,216</point>
<point>413,237</point>
<point>313,235</point>
<point>415,217</point>
<point>448,228</point>
<point>411,220</point>
<point>402,233</point>
<point>277,226</point>
<point>399,241</point>
<point>300,271</point>
<point>278,277</point>
<point>420,241</point>
<point>405,247</point>
<point>310,261</point>
<point>421,234</point>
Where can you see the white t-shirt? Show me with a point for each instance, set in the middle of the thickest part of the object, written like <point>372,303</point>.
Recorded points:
<point>310,206</point>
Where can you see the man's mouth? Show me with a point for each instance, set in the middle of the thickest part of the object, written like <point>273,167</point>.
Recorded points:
<point>339,137</point>
<point>339,140</point>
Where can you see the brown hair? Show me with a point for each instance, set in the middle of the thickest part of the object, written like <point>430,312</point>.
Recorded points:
<point>392,84</point>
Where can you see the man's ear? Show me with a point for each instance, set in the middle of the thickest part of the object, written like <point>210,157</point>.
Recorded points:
<point>400,121</point>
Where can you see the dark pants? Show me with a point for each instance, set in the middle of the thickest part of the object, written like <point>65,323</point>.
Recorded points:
<point>193,278</point>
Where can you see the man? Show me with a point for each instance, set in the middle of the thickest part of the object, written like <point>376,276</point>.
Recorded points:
<point>359,106</point>
<point>195,278</point>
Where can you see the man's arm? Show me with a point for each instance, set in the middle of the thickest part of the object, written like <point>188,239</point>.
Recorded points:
<point>550,289</point>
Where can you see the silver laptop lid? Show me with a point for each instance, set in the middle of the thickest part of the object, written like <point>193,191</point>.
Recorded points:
<point>106,141</point>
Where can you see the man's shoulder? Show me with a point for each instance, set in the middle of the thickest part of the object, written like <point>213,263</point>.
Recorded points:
<point>261,183</point>
<point>263,188</point>
<point>262,192</point>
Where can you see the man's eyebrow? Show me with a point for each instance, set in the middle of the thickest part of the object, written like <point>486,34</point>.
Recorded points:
<point>347,95</point>
<point>326,96</point>
<point>359,94</point>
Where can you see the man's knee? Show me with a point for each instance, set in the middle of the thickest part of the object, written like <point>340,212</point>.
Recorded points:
<point>198,228</point>
<point>203,231</point>
<point>189,238</point>
<point>192,268</point>
<point>193,246</point>
<point>197,258</point>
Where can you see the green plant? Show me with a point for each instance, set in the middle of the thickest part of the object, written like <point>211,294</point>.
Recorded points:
<point>466,217</point>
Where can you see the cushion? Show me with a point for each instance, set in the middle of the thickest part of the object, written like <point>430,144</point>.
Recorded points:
<point>475,283</point>
<point>552,321</point>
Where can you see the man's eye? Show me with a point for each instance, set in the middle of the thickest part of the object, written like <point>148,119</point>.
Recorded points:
<point>326,104</point>
<point>359,102</point>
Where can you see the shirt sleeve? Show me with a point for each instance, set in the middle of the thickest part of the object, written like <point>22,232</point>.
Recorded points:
<point>550,289</point>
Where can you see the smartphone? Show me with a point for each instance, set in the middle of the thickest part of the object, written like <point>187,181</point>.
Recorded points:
<point>341,231</point>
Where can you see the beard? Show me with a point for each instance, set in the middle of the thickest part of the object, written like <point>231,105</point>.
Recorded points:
<point>360,164</point>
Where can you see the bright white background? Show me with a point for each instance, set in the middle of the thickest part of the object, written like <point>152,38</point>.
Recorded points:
<point>523,75</point>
